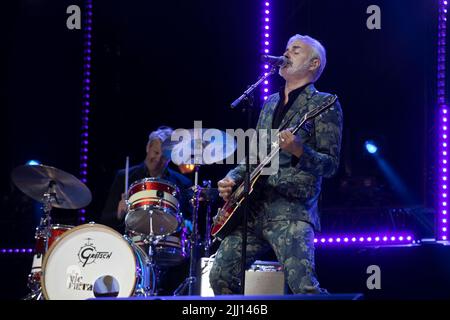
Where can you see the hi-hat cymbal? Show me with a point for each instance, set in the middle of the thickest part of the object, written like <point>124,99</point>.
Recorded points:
<point>206,194</point>
<point>34,181</point>
<point>200,146</point>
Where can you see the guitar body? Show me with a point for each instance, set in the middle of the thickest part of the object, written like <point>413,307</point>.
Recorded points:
<point>231,220</point>
<point>229,215</point>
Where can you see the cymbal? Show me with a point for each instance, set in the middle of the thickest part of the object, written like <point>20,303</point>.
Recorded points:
<point>200,146</point>
<point>206,194</point>
<point>34,181</point>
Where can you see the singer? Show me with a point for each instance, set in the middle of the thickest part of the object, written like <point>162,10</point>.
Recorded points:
<point>283,210</point>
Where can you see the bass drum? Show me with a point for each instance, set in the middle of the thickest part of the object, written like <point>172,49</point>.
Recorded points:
<point>94,261</point>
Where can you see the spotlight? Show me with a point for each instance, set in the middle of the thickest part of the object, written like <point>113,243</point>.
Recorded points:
<point>33,163</point>
<point>186,168</point>
<point>371,147</point>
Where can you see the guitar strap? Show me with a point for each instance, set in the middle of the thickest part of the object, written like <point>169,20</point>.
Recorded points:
<point>293,115</point>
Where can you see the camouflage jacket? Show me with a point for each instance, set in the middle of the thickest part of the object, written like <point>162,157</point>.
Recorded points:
<point>292,193</point>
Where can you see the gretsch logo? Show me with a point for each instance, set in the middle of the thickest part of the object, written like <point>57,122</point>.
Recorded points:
<point>88,254</point>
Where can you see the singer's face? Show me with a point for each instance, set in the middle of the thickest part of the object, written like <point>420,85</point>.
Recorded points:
<point>299,54</point>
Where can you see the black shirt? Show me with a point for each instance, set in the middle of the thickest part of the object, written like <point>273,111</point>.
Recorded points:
<point>109,213</point>
<point>281,109</point>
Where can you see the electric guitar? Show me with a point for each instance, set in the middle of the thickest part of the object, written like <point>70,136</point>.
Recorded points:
<point>228,217</point>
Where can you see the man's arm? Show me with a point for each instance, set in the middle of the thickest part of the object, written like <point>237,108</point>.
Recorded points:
<point>109,213</point>
<point>324,159</point>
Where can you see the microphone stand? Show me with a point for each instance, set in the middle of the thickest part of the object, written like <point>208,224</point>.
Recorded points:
<point>247,96</point>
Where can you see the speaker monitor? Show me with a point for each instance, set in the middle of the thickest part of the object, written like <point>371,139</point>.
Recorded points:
<point>262,278</point>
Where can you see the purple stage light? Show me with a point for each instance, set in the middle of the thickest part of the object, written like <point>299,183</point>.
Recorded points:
<point>368,240</point>
<point>265,49</point>
<point>87,49</point>
<point>443,111</point>
<point>16,250</point>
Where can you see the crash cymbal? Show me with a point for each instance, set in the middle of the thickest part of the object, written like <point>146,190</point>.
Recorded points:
<point>34,181</point>
<point>200,146</point>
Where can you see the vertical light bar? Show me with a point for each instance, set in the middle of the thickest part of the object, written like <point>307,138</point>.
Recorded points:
<point>86,98</point>
<point>265,44</point>
<point>443,206</point>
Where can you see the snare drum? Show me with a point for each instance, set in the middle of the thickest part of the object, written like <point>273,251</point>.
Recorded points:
<point>93,260</point>
<point>153,207</point>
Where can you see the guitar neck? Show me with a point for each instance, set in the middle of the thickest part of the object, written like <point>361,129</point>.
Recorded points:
<point>309,115</point>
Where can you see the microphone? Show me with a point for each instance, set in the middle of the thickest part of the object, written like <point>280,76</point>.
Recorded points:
<point>280,61</point>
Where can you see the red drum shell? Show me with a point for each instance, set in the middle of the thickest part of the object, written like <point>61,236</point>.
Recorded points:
<point>153,207</point>
<point>56,231</point>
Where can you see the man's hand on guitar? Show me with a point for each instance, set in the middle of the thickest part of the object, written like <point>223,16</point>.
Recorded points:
<point>121,208</point>
<point>225,187</point>
<point>291,143</point>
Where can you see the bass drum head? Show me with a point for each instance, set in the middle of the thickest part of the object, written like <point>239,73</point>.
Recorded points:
<point>89,261</point>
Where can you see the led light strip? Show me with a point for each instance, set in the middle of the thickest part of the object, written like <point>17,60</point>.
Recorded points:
<point>265,45</point>
<point>86,98</point>
<point>379,239</point>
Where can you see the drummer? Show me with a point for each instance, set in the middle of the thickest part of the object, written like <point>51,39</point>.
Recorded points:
<point>155,165</point>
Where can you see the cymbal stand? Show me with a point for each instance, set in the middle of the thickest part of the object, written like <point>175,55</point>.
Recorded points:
<point>152,241</point>
<point>43,231</point>
<point>192,279</point>
<point>207,241</point>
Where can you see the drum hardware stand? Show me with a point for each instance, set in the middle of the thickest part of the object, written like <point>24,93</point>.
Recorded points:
<point>192,279</point>
<point>34,295</point>
<point>207,240</point>
<point>151,240</point>
<point>42,231</point>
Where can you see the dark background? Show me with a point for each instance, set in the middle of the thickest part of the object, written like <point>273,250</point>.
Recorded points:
<point>176,62</point>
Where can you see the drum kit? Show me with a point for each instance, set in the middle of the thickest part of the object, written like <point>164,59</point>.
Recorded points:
<point>93,260</point>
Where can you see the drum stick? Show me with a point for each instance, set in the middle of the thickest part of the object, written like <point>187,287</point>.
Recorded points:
<point>196,178</point>
<point>127,162</point>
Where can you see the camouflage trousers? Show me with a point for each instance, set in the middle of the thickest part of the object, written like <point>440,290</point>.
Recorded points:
<point>293,244</point>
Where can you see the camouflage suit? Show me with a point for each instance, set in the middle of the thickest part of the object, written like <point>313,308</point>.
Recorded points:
<point>283,212</point>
